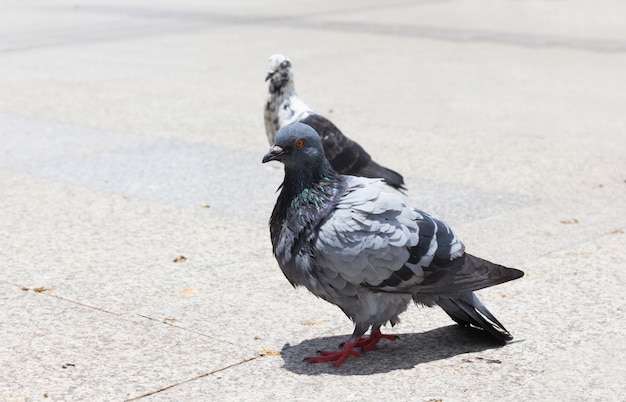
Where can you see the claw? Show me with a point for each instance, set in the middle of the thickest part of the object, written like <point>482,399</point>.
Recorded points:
<point>337,357</point>
<point>357,348</point>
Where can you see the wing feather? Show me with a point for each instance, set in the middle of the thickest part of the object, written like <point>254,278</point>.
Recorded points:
<point>369,236</point>
<point>375,239</point>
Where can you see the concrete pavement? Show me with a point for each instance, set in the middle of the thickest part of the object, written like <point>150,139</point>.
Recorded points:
<point>131,135</point>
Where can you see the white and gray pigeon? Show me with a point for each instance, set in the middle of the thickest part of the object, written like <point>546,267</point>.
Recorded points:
<point>362,248</point>
<point>283,107</point>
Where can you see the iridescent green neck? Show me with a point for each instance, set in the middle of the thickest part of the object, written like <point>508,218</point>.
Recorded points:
<point>306,198</point>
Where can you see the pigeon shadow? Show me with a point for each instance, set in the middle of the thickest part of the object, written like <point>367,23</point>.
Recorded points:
<point>406,352</point>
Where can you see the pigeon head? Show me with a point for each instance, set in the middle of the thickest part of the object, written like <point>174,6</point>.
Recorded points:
<point>298,147</point>
<point>279,74</point>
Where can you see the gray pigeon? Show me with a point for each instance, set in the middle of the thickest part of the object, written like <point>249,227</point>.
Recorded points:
<point>355,245</point>
<point>284,107</point>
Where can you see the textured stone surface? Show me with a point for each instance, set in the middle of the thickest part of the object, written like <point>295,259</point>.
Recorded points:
<point>131,135</point>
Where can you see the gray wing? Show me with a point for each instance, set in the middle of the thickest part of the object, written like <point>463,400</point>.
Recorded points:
<point>374,239</point>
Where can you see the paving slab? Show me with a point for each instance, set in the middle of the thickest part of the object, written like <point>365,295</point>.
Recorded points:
<point>135,260</point>
<point>63,350</point>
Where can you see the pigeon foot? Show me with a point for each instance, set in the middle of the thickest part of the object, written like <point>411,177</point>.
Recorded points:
<point>363,344</point>
<point>338,357</point>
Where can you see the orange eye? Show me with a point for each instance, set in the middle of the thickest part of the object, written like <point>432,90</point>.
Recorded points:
<point>299,143</point>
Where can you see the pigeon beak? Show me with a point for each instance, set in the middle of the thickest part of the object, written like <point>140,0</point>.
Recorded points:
<point>269,75</point>
<point>274,153</point>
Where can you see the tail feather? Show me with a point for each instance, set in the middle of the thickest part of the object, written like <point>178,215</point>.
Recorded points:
<point>468,311</point>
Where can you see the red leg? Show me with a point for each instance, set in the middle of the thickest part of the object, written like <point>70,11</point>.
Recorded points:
<point>369,342</point>
<point>337,357</point>
<point>363,344</point>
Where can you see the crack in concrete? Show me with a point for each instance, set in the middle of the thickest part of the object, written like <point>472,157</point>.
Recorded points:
<point>193,379</point>
<point>46,293</point>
